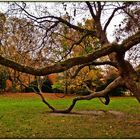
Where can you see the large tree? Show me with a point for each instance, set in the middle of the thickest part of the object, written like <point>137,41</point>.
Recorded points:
<point>50,23</point>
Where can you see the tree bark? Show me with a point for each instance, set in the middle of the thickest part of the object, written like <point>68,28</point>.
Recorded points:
<point>129,75</point>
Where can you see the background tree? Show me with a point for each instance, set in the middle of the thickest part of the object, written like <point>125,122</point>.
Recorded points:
<point>15,34</point>
<point>72,83</point>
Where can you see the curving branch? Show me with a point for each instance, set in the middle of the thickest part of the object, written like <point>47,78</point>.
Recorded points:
<point>67,64</point>
<point>41,95</point>
<point>93,33</point>
<point>107,99</point>
<point>117,82</point>
<point>130,41</point>
<point>61,66</point>
<point>58,19</point>
<point>111,17</point>
<point>129,76</point>
<point>75,43</point>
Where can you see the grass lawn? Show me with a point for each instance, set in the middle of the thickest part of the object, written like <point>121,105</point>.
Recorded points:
<point>25,116</point>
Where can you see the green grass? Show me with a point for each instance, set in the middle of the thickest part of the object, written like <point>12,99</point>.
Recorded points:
<point>29,118</point>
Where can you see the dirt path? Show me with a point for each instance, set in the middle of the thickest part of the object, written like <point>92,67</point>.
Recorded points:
<point>117,114</point>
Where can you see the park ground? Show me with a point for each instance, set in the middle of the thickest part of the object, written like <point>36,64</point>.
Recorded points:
<point>23,115</point>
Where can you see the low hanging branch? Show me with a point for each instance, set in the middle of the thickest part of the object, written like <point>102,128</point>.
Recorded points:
<point>107,99</point>
<point>93,94</point>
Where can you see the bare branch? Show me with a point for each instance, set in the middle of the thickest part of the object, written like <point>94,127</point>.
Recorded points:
<point>130,41</point>
<point>41,95</point>
<point>111,17</point>
<point>75,43</point>
<point>107,99</point>
<point>93,33</point>
<point>59,19</point>
<point>91,10</point>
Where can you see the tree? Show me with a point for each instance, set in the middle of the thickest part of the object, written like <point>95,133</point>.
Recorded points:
<point>18,37</point>
<point>50,24</point>
<point>46,85</point>
<point>72,81</point>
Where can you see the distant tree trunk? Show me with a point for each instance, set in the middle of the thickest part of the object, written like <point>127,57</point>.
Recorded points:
<point>66,83</point>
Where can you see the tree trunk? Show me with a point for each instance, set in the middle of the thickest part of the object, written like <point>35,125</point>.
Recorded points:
<point>134,87</point>
<point>130,76</point>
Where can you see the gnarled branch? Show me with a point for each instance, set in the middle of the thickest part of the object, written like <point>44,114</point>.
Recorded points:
<point>117,82</point>
<point>64,65</point>
<point>59,67</point>
<point>130,41</point>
